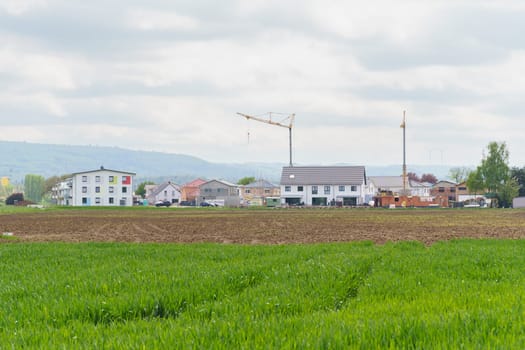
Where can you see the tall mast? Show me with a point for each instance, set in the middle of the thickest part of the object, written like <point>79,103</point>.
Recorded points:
<point>403,126</point>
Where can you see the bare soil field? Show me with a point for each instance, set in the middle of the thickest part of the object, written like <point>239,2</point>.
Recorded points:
<point>277,226</point>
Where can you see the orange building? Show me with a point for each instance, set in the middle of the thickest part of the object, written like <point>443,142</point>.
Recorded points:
<point>190,191</point>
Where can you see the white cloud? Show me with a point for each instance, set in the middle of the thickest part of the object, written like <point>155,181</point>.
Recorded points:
<point>149,20</point>
<point>171,77</point>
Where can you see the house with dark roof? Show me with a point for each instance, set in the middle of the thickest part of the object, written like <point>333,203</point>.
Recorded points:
<point>323,185</point>
<point>165,192</point>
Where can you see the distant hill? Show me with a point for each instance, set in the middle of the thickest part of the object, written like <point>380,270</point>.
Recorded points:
<point>20,158</point>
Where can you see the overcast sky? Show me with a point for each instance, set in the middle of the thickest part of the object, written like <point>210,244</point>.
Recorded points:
<point>170,76</point>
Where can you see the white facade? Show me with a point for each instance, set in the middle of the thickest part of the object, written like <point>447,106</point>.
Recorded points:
<point>322,194</point>
<point>101,187</point>
<point>166,192</point>
<point>323,185</point>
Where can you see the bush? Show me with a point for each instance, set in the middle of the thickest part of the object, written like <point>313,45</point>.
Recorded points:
<point>14,199</point>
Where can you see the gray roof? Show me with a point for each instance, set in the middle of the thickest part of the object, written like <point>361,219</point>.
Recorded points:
<point>323,175</point>
<point>261,184</point>
<point>224,182</point>
<point>386,181</point>
<point>162,186</point>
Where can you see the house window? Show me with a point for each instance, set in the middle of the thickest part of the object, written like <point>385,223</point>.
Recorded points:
<point>173,193</point>
<point>353,188</point>
<point>300,188</point>
<point>84,200</point>
<point>111,179</point>
<point>207,190</point>
<point>111,189</point>
<point>314,190</point>
<point>97,178</point>
<point>247,191</point>
<point>84,189</point>
<point>266,191</point>
<point>341,188</point>
<point>327,190</point>
<point>452,189</point>
<point>111,200</point>
<point>97,189</point>
<point>124,189</point>
<point>441,189</point>
<point>462,188</point>
<point>84,178</point>
<point>287,188</point>
<point>97,200</point>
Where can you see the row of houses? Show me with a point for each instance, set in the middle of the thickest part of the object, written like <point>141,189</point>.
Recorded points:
<point>299,185</point>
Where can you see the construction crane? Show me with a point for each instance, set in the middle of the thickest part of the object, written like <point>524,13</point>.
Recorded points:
<point>289,120</point>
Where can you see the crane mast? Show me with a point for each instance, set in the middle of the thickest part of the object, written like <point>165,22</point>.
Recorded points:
<point>290,120</point>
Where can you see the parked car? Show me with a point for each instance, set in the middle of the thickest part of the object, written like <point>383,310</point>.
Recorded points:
<point>162,203</point>
<point>187,203</point>
<point>206,204</point>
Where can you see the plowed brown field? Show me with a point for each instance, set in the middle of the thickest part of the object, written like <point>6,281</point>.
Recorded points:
<point>263,226</point>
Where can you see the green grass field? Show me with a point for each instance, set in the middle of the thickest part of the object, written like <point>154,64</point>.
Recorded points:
<point>458,294</point>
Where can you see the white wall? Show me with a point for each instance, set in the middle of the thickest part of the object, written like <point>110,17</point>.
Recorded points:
<point>116,191</point>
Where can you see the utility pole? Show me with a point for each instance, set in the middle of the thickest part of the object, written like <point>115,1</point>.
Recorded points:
<point>290,120</point>
<point>404,126</point>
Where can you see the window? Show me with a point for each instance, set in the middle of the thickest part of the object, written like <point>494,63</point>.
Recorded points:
<point>111,189</point>
<point>267,191</point>
<point>84,189</point>
<point>97,189</point>
<point>84,200</point>
<point>300,188</point>
<point>124,189</point>
<point>97,200</point>
<point>111,200</point>
<point>97,178</point>
<point>126,180</point>
<point>353,188</point>
<point>84,178</point>
<point>207,190</point>
<point>341,188</point>
<point>327,190</point>
<point>111,179</point>
<point>287,188</point>
<point>165,192</point>
<point>247,191</point>
<point>462,188</point>
<point>314,190</point>
<point>441,189</point>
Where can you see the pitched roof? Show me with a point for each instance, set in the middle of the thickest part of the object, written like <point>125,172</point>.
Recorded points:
<point>194,183</point>
<point>163,186</point>
<point>386,181</point>
<point>260,184</point>
<point>224,182</point>
<point>323,175</point>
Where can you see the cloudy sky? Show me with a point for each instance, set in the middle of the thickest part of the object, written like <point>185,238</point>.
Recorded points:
<point>170,76</point>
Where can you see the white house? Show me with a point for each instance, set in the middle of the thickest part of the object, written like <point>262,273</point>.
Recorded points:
<point>102,187</point>
<point>323,185</point>
<point>167,191</point>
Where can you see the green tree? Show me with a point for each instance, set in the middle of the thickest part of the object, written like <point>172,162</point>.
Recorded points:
<point>508,192</point>
<point>519,175</point>
<point>246,180</point>
<point>34,187</point>
<point>475,183</point>
<point>459,174</point>
<point>141,189</point>
<point>494,167</point>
